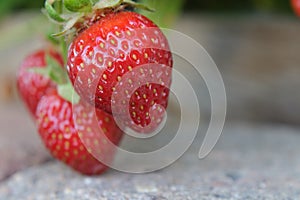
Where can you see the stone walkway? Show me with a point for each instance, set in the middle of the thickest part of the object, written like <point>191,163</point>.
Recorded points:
<point>249,162</point>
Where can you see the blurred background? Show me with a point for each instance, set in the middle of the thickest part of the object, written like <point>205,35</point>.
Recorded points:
<point>213,6</point>
<point>255,44</point>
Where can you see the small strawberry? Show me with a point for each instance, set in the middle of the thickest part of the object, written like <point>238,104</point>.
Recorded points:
<point>117,44</point>
<point>32,86</point>
<point>296,6</point>
<point>77,134</point>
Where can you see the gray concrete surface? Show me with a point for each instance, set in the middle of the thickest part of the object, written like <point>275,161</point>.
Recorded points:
<point>249,162</point>
<point>20,145</point>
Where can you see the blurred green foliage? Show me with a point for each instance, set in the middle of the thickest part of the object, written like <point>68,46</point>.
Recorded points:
<point>281,6</point>
<point>224,6</point>
<point>7,6</point>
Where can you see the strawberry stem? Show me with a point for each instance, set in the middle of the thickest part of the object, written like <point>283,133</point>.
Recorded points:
<point>55,9</point>
<point>65,89</point>
<point>60,9</point>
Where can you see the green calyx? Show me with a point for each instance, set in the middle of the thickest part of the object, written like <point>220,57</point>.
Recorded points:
<point>116,3</point>
<point>58,75</point>
<point>53,70</point>
<point>67,92</point>
<point>52,12</point>
<point>71,13</point>
<point>79,5</point>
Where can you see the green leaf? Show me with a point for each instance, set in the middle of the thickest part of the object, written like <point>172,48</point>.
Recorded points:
<point>107,4</point>
<point>56,73</point>
<point>67,92</point>
<point>115,3</point>
<point>69,25</point>
<point>55,70</point>
<point>53,39</point>
<point>51,12</point>
<point>78,5</point>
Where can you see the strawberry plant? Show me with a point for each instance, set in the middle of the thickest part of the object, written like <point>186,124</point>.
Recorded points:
<point>102,47</point>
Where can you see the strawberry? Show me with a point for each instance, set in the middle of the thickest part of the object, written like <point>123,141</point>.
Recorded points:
<point>32,86</point>
<point>296,6</point>
<point>117,44</point>
<point>77,134</point>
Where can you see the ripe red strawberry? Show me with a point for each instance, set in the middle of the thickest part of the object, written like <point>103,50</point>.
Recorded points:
<point>32,86</point>
<point>296,6</point>
<point>74,135</point>
<point>114,45</point>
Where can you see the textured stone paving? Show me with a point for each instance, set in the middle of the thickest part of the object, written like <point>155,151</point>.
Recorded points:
<point>249,162</point>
